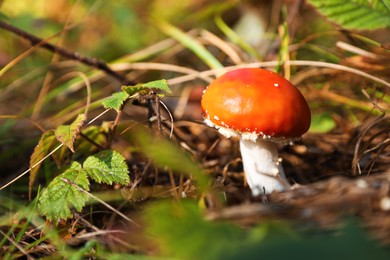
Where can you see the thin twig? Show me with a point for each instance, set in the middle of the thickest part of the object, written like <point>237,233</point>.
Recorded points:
<point>116,239</point>
<point>50,75</point>
<point>100,201</point>
<point>158,112</point>
<point>29,169</point>
<point>357,152</point>
<point>16,245</point>
<point>356,50</point>
<point>99,233</point>
<point>93,62</point>
<point>115,125</point>
<point>206,73</point>
<point>170,117</point>
<point>101,148</point>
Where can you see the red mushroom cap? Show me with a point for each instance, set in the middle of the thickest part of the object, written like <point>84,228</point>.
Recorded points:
<point>256,101</point>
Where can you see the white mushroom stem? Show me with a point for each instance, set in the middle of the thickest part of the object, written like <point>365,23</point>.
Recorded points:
<point>262,166</point>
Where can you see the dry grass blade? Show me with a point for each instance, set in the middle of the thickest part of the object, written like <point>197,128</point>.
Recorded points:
<point>28,170</point>
<point>99,233</point>
<point>356,50</point>
<point>358,152</point>
<point>147,66</point>
<point>222,45</point>
<point>48,155</point>
<point>202,74</point>
<point>189,42</point>
<point>38,42</point>
<point>16,245</point>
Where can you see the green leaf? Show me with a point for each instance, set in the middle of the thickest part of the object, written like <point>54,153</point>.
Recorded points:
<point>356,14</point>
<point>64,192</point>
<point>137,89</point>
<point>322,123</point>
<point>142,88</point>
<point>161,84</point>
<point>115,101</point>
<point>43,148</point>
<point>66,134</point>
<point>108,167</point>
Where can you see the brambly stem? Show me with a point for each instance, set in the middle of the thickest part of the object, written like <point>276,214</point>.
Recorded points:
<point>262,166</point>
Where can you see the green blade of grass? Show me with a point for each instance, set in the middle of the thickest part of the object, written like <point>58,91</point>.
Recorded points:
<point>234,37</point>
<point>190,43</point>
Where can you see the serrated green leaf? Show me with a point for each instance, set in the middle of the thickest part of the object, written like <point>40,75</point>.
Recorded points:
<point>43,148</point>
<point>161,84</point>
<point>108,167</point>
<point>356,14</point>
<point>115,101</point>
<point>64,193</point>
<point>142,88</point>
<point>66,134</point>
<point>132,90</point>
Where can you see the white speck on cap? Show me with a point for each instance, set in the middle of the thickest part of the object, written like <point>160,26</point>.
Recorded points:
<point>227,132</point>
<point>276,85</point>
<point>208,122</point>
<point>249,136</point>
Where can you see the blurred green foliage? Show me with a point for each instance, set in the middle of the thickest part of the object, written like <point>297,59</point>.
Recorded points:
<point>166,155</point>
<point>322,123</point>
<point>181,231</point>
<point>104,29</point>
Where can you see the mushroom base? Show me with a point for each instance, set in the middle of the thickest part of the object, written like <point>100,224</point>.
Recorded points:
<point>262,166</point>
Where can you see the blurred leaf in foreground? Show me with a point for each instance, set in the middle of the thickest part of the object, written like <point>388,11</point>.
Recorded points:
<point>166,154</point>
<point>182,232</point>
<point>356,14</point>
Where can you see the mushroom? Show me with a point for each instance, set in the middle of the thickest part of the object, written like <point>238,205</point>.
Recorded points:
<point>261,108</point>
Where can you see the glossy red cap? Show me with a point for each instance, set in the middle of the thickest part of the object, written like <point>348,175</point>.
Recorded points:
<point>256,101</point>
